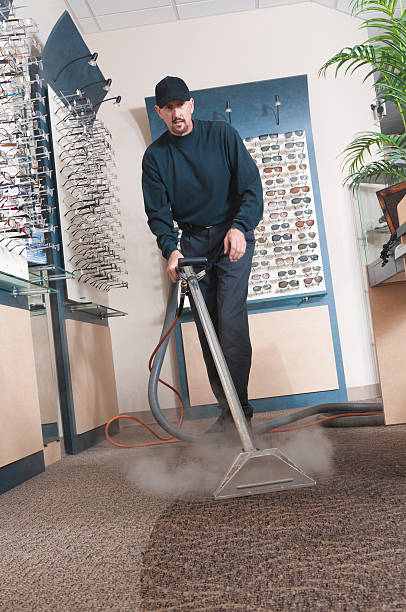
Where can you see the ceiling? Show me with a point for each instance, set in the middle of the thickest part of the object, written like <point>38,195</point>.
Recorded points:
<point>103,15</point>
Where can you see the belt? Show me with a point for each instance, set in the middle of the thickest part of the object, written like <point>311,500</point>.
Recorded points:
<point>189,228</point>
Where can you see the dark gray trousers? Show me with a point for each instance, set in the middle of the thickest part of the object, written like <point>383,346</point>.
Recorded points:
<point>224,288</point>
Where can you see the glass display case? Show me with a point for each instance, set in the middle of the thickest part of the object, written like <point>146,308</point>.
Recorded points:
<point>374,229</point>
<point>375,233</point>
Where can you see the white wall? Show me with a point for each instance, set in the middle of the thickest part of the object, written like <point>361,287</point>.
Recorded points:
<point>45,12</point>
<point>224,50</point>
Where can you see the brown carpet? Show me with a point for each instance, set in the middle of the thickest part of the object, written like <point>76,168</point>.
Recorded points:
<point>117,530</point>
<point>338,546</point>
<point>71,538</point>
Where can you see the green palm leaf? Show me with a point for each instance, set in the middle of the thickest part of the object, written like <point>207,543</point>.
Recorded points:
<point>382,56</point>
<point>375,171</point>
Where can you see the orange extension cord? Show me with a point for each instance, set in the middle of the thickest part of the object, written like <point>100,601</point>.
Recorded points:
<point>127,416</point>
<point>162,440</point>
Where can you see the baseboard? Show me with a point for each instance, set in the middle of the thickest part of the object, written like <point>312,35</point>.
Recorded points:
<point>93,436</point>
<point>146,416</point>
<point>366,392</point>
<point>50,430</point>
<point>19,471</point>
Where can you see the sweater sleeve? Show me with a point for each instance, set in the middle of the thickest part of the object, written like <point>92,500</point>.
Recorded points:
<point>157,207</point>
<point>247,183</point>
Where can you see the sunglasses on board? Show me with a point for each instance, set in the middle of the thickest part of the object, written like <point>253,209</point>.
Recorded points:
<point>309,281</point>
<point>291,145</point>
<point>288,284</point>
<point>305,200</point>
<point>304,258</point>
<point>308,222</point>
<point>283,273</point>
<point>298,133</point>
<point>282,261</point>
<point>277,169</point>
<point>273,147</point>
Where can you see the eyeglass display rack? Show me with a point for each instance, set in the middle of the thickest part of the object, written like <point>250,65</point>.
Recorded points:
<point>75,89</point>
<point>89,211</point>
<point>24,222</point>
<point>30,227</point>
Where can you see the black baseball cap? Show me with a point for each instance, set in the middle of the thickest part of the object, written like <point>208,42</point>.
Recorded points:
<point>171,88</point>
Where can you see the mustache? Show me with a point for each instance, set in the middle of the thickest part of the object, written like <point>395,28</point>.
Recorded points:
<point>178,120</point>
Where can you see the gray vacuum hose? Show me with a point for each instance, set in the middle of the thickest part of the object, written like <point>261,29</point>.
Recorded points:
<point>156,370</point>
<point>339,408</point>
<point>353,421</point>
<point>276,423</point>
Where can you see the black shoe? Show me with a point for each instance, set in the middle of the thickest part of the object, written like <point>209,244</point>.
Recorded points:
<point>223,424</point>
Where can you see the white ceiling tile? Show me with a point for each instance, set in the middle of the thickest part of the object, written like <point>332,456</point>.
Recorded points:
<point>109,7</point>
<point>118,14</point>
<point>132,19</point>
<point>79,8</point>
<point>270,3</point>
<point>213,7</point>
<point>88,25</point>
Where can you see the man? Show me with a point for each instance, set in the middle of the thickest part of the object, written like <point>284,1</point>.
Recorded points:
<point>199,174</point>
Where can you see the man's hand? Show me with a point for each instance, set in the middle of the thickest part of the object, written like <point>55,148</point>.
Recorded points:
<point>235,242</point>
<point>172,265</point>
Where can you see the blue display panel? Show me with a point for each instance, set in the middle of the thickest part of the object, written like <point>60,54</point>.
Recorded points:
<point>66,63</point>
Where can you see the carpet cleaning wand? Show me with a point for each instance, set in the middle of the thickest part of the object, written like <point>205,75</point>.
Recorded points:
<point>253,471</point>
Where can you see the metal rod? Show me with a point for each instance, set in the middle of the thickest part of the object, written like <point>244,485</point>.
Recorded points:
<point>219,361</point>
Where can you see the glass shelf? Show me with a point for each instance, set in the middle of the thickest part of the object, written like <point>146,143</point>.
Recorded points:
<point>95,310</point>
<point>374,229</point>
<point>54,273</point>
<point>21,286</point>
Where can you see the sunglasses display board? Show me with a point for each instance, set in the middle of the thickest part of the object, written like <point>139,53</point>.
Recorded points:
<point>287,257</point>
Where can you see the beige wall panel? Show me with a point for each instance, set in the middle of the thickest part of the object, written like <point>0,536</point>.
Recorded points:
<point>92,374</point>
<point>388,309</point>
<point>20,429</point>
<point>292,353</point>
<point>46,378</point>
<point>52,453</point>
<point>402,218</point>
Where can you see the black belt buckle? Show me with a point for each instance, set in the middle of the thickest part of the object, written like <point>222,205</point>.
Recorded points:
<point>187,228</point>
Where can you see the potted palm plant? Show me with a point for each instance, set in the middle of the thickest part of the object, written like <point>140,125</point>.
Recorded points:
<point>373,155</point>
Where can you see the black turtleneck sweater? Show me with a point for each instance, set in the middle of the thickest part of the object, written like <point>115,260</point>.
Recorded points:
<point>204,178</point>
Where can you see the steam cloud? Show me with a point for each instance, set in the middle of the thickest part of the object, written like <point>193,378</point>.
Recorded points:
<point>190,470</point>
